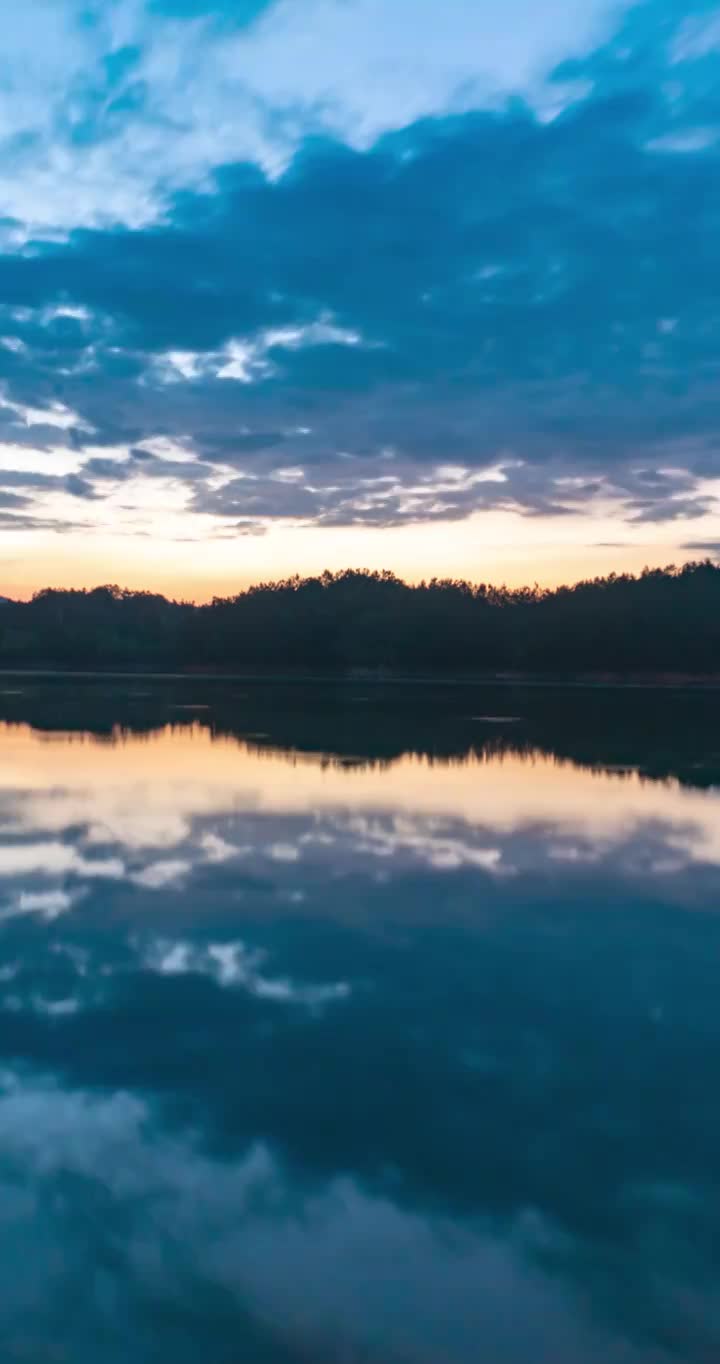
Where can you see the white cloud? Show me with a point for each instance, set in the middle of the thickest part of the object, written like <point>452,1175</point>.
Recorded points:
<point>48,903</point>
<point>685,140</point>
<point>172,959</point>
<point>57,414</point>
<point>283,852</point>
<point>366,67</point>
<point>234,965</point>
<point>353,68</point>
<point>696,37</point>
<point>161,874</point>
<point>134,825</point>
<point>436,842</point>
<point>216,849</point>
<point>55,1008</point>
<point>54,859</point>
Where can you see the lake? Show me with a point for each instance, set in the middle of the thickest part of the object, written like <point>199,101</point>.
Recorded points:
<point>358,1024</point>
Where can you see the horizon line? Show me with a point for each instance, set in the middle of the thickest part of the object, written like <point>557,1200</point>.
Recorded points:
<point>386,574</point>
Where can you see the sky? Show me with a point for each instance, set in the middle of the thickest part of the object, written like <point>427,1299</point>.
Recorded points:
<point>426,285</point>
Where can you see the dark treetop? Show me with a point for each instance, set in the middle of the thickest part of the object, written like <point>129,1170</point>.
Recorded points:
<point>664,621</point>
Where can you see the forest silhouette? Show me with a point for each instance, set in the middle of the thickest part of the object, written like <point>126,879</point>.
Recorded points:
<point>664,621</point>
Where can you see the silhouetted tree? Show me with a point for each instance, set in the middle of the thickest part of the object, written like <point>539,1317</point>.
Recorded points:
<point>664,620</point>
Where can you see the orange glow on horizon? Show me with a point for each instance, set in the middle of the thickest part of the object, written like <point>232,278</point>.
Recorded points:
<point>198,571</point>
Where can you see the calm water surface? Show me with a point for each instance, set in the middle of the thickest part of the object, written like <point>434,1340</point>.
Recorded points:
<point>358,1025</point>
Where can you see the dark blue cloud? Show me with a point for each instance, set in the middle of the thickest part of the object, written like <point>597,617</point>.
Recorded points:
<point>487,283</point>
<point>703,546</point>
<point>588,242</point>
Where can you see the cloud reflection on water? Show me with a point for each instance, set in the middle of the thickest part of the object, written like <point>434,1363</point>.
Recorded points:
<point>340,1061</point>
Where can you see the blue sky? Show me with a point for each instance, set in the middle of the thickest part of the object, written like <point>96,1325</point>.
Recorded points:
<point>394,282</point>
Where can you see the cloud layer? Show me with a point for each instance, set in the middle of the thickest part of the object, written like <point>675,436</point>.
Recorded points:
<point>360,271</point>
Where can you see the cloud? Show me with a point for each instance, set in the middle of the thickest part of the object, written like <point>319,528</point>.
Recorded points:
<point>217,849</point>
<point>159,875</point>
<point>342,61</point>
<point>233,964</point>
<point>434,1120</point>
<point>122,103</point>
<point>52,859</point>
<point>47,903</point>
<point>126,101</point>
<point>460,367</point>
<point>381,278</point>
<point>672,509</point>
<point>295,1267</point>
<point>431,1122</point>
<point>703,546</point>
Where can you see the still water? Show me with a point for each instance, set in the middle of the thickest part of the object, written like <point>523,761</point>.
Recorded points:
<point>358,1026</point>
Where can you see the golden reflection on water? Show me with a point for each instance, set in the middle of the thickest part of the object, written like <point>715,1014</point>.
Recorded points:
<point>144,788</point>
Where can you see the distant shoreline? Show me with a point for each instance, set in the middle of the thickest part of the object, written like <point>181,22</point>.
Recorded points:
<point>661,630</point>
<point>587,682</point>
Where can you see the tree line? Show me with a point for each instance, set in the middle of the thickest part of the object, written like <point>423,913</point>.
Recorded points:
<point>660,621</point>
<point>657,731</point>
